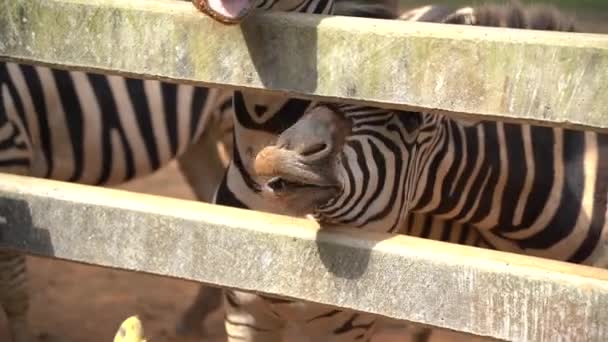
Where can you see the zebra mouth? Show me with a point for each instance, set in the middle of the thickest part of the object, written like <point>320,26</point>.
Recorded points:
<point>225,11</point>
<point>299,198</point>
<point>280,185</point>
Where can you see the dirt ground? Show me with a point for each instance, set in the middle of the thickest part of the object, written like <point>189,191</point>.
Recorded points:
<point>73,302</point>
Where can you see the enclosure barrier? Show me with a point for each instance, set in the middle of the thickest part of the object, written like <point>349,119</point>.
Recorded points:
<point>467,289</point>
<point>553,78</point>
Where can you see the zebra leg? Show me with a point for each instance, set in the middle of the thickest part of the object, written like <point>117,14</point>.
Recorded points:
<point>255,318</point>
<point>250,318</point>
<point>207,300</point>
<point>203,175</point>
<point>14,295</point>
<point>201,164</point>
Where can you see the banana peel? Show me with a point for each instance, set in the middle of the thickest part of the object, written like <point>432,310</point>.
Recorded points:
<point>131,330</point>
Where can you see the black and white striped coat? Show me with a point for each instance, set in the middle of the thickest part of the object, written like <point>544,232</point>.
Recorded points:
<point>527,189</point>
<point>95,129</point>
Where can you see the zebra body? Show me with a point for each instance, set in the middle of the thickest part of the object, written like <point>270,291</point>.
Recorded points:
<point>95,129</point>
<point>91,129</point>
<point>205,300</point>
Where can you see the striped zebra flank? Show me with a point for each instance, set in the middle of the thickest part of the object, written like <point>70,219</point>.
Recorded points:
<point>95,129</point>
<point>258,120</point>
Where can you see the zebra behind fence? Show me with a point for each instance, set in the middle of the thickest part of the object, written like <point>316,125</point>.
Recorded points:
<point>425,174</point>
<point>527,189</point>
<point>258,119</point>
<point>92,129</point>
<point>208,299</point>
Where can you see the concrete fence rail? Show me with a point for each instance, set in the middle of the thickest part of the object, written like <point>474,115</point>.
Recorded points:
<point>477,291</point>
<point>545,77</point>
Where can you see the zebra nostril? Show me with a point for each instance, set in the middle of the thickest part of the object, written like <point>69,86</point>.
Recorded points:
<point>313,149</point>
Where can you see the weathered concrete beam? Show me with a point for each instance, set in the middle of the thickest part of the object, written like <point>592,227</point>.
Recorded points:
<point>506,74</point>
<point>472,290</point>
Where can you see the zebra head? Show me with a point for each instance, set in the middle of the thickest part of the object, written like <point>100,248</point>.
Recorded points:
<point>342,159</point>
<point>301,170</point>
<point>232,12</point>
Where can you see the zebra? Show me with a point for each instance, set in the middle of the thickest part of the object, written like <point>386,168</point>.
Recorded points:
<point>520,188</point>
<point>257,121</point>
<point>209,299</point>
<point>92,129</point>
<point>100,130</point>
<point>414,166</point>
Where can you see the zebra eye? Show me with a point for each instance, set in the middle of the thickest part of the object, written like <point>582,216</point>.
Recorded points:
<point>277,184</point>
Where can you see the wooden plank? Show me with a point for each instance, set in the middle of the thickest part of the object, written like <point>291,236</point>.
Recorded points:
<point>514,75</point>
<point>477,291</point>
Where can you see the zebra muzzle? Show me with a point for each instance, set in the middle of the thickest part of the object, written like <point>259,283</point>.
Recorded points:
<point>286,172</point>
<point>306,156</point>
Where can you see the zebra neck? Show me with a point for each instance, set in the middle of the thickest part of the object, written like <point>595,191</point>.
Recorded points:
<point>471,170</point>
<point>532,189</point>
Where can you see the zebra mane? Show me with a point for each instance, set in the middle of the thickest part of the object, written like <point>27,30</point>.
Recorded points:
<point>379,9</point>
<point>514,15</point>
